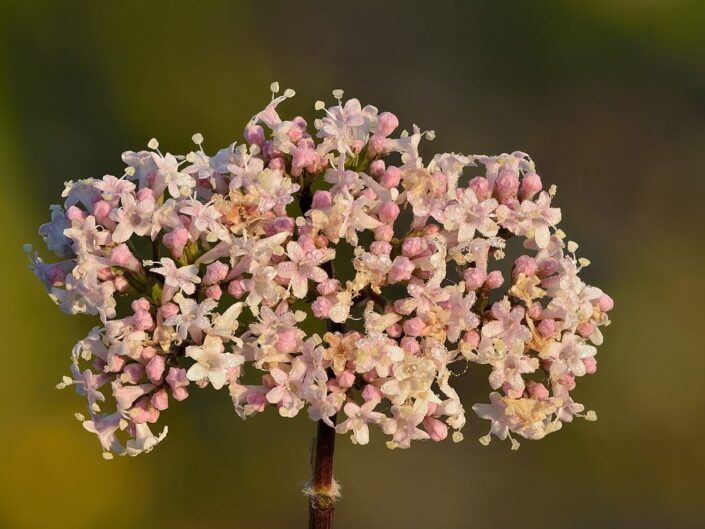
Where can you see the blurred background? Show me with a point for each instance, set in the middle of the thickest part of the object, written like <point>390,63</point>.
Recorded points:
<point>607,96</point>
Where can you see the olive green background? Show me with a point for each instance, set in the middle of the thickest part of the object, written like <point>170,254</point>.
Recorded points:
<point>607,96</point>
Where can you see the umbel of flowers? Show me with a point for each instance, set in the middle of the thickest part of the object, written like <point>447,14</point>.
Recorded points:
<point>205,269</point>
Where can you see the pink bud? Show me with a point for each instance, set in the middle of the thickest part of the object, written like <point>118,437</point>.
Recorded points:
<point>148,352</point>
<point>346,379</point>
<point>176,378</point>
<point>368,192</point>
<point>122,256</point>
<point>377,144</point>
<point>75,214</point>
<point>145,194</point>
<point>507,186</point>
<point>605,303</point>
<point>535,310</point>
<point>296,131</point>
<point>254,134</point>
<point>384,233</point>
<point>168,310</point>
<point>380,248</point>
<point>386,123</point>
<point>322,199</point>
<point>537,391</point>
<point>414,326</point>
<point>140,304</point>
<point>142,320</point>
<point>214,292</point>
<point>530,185</point>
<point>139,413</point>
<point>101,209</point>
<point>394,331</point>
<point>287,341</point>
<point>391,177</point>
<point>412,247</point>
<point>494,279</point>
<point>568,381</point>
<point>277,164</point>
<point>160,399</point>
<point>328,287</point>
<point>284,224</point>
<point>548,267</point>
<point>215,273</point>
<point>524,265</point>
<point>176,240</point>
<point>371,392</point>
<point>388,212</point>
<point>236,288</point>
<point>480,186</point>
<point>179,394</point>
<point>401,269</point>
<point>155,369</point>
<point>117,363</point>
<point>133,373</point>
<point>590,364</point>
<point>437,430</point>
<point>377,168</point>
<point>321,307</point>
<point>547,328</point>
<point>410,345</point>
<point>474,278</point>
<point>586,328</point>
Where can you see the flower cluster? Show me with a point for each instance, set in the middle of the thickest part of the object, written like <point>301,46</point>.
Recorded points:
<point>214,270</point>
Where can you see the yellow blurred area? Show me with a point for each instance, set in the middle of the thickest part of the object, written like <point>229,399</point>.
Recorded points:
<point>607,97</point>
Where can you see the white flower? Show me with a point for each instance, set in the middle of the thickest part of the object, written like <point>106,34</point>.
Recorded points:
<point>212,364</point>
<point>357,420</point>
<point>184,278</point>
<point>133,218</point>
<point>469,215</point>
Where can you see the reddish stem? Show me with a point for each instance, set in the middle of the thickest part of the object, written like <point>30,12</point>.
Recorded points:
<point>322,494</point>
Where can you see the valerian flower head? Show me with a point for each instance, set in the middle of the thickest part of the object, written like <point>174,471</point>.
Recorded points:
<point>221,261</point>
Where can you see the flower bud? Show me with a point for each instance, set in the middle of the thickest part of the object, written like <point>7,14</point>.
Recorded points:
<point>414,326</point>
<point>214,292</point>
<point>530,185</point>
<point>524,265</point>
<point>507,186</point>
<point>547,328</point>
<point>254,134</point>
<point>605,303</point>
<point>384,233</point>
<point>391,177</point>
<point>590,364</point>
<point>215,273</point>
<point>401,269</point>
<point>322,199</point>
<point>437,430</point>
<point>474,278</point>
<point>380,248</point>
<point>377,168</point>
<point>494,279</point>
<point>386,124</point>
<point>321,307</point>
<point>388,212</point>
<point>155,369</point>
<point>481,187</point>
<point>412,247</point>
